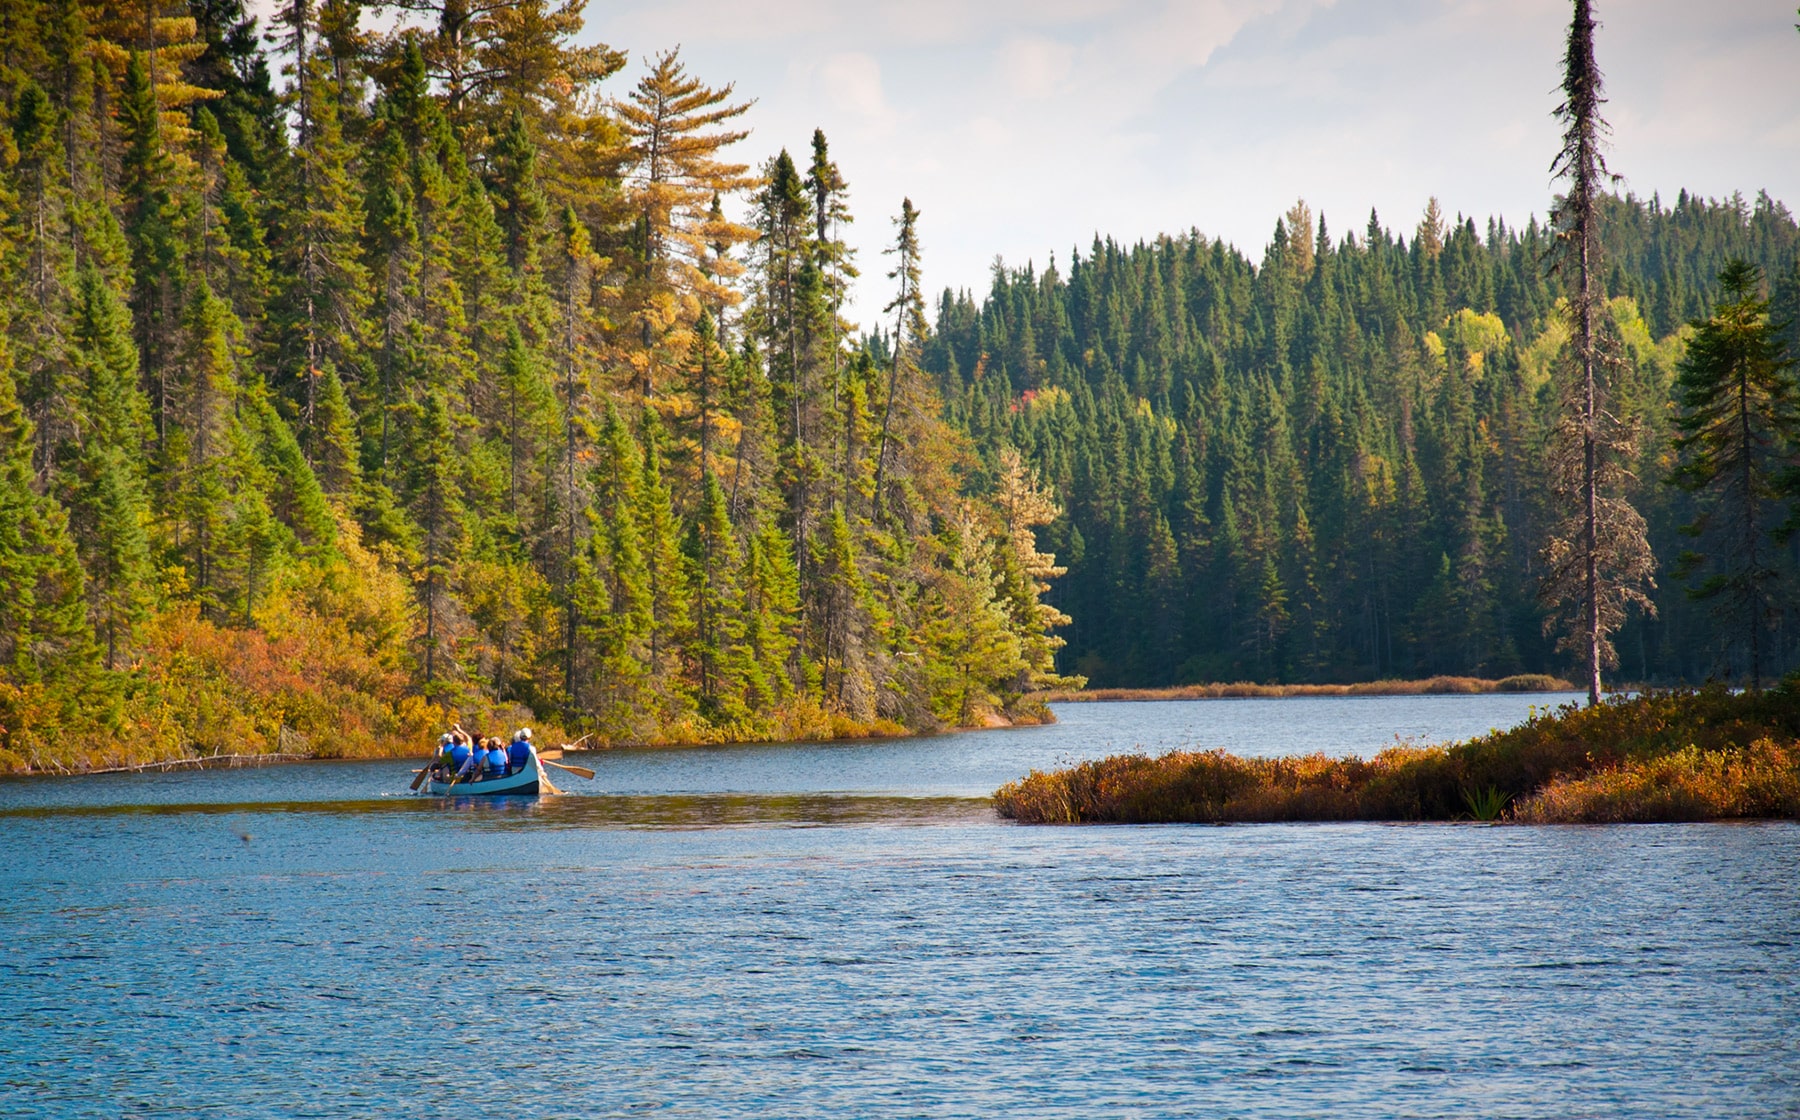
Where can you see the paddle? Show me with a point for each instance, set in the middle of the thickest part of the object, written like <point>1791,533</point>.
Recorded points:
<point>420,779</point>
<point>544,775</point>
<point>582,770</point>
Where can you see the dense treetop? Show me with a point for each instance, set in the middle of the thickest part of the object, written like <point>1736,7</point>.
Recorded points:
<point>1331,465</point>
<point>354,382</point>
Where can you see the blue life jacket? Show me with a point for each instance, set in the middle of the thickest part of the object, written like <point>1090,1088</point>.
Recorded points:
<point>496,763</point>
<point>459,756</point>
<point>521,754</point>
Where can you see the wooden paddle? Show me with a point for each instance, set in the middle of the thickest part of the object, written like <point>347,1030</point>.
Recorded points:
<point>544,776</point>
<point>582,770</point>
<point>420,780</point>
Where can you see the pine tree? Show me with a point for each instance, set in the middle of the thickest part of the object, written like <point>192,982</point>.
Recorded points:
<point>106,497</point>
<point>975,653</point>
<point>156,223</point>
<point>42,616</point>
<point>717,648</point>
<point>670,612</point>
<point>771,594</point>
<point>437,507</point>
<point>614,607</point>
<point>319,313</point>
<point>674,135</point>
<point>332,437</point>
<point>908,309</point>
<point>36,227</point>
<point>1025,505</point>
<point>1739,422</point>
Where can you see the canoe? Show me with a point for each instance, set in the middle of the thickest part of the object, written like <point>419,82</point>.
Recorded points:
<point>523,783</point>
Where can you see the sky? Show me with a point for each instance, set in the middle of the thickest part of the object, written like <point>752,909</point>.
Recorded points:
<point>1021,128</point>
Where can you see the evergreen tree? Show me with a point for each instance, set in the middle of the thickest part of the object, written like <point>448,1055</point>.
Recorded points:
<point>1598,560</point>
<point>437,507</point>
<point>665,587</point>
<point>672,124</point>
<point>717,649</point>
<point>770,586</point>
<point>1739,423</point>
<point>108,505</point>
<point>908,309</point>
<point>42,616</point>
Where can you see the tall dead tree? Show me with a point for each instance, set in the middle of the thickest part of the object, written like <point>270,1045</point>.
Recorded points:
<point>1598,562</point>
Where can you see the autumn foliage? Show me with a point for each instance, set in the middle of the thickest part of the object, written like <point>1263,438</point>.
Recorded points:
<point>1674,755</point>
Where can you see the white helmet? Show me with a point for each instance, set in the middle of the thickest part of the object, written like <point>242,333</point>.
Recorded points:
<point>525,733</point>
<point>446,737</point>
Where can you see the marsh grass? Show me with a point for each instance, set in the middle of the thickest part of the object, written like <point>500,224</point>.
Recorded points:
<point>1674,755</point>
<point>1487,804</point>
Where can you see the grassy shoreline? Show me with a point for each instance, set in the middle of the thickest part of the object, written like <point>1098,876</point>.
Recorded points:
<point>1678,755</point>
<point>1234,690</point>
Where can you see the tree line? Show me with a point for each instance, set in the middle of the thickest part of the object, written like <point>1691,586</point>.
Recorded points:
<point>350,381</point>
<point>1345,461</point>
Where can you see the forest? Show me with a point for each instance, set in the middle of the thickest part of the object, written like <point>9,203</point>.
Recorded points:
<point>354,382</point>
<point>1332,464</point>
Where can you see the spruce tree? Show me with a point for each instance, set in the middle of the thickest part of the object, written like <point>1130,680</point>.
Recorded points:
<point>318,314</point>
<point>771,593</point>
<point>106,495</point>
<point>1597,562</point>
<point>434,483</point>
<point>717,648</point>
<point>1739,424</point>
<point>665,586</point>
<point>908,309</point>
<point>42,615</point>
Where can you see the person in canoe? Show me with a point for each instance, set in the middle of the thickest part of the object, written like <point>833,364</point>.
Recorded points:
<point>493,762</point>
<point>519,753</point>
<point>440,762</point>
<point>463,763</point>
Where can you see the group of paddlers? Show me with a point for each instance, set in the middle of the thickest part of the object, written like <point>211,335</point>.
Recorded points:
<point>462,757</point>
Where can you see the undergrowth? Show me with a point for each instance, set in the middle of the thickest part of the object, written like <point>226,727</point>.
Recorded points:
<point>1681,754</point>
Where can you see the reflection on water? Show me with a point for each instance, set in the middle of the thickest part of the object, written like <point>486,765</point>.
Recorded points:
<point>787,933</point>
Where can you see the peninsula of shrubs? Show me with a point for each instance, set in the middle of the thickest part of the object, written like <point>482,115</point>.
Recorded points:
<point>1667,755</point>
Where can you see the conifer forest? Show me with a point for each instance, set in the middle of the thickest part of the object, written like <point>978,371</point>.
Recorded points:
<point>353,382</point>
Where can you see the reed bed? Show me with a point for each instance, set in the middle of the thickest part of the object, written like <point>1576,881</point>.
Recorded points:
<point>1526,682</point>
<point>1663,756</point>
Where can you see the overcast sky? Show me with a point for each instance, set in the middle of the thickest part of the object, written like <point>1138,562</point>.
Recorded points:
<point>1021,128</point>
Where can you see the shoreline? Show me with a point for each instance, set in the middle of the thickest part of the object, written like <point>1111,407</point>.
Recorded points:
<point>876,732</point>
<point>1245,690</point>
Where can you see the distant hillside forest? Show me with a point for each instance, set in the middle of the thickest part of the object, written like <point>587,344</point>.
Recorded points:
<point>1332,466</point>
<point>355,382</point>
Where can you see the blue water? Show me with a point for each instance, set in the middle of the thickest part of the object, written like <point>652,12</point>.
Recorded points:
<point>809,933</point>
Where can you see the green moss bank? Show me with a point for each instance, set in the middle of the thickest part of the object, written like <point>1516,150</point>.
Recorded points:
<point>1663,756</point>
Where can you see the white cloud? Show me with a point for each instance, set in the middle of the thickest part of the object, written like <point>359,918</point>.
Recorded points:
<point>852,80</point>
<point>1034,67</point>
<point>1021,127</point>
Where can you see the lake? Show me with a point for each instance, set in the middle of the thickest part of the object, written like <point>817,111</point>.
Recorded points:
<point>848,931</point>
